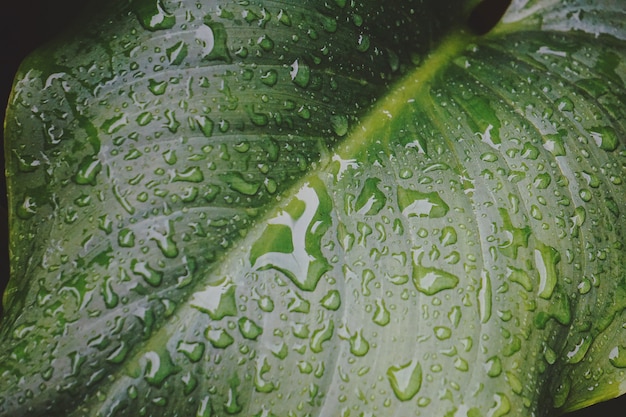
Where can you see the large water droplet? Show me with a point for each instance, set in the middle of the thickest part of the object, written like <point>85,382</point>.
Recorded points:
<point>249,329</point>
<point>359,346</point>
<point>291,241</point>
<point>405,380</point>
<point>88,169</point>
<point>219,338</point>
<point>158,367</point>
<point>212,37</point>
<point>546,259</point>
<point>238,183</point>
<point>300,73</point>
<point>430,280</point>
<point>371,199</point>
<point>382,317</point>
<point>322,335</point>
<point>414,203</point>
<point>149,274</point>
<point>217,299</point>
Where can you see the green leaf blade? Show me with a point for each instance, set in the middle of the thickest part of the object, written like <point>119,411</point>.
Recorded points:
<point>490,175</point>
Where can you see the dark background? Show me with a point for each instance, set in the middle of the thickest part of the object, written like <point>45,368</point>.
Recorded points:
<point>25,25</point>
<point>28,24</point>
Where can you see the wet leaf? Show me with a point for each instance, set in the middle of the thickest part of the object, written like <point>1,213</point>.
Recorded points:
<point>322,208</point>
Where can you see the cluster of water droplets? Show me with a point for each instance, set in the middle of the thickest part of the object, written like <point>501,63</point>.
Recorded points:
<point>384,284</point>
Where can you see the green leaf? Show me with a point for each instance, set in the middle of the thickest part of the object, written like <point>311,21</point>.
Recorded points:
<point>325,208</point>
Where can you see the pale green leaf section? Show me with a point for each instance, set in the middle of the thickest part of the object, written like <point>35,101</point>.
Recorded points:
<point>456,249</point>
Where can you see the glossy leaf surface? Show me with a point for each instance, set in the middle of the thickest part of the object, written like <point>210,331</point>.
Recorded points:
<point>321,208</point>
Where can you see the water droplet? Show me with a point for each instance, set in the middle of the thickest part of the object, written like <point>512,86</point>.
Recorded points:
<point>430,280</point>
<point>363,43</point>
<point>332,300</point>
<point>359,346</point>
<point>339,124</point>
<point>265,43</point>
<point>564,104</point>
<point>166,243</point>
<point>219,338</point>
<point>204,408</point>
<point>111,299</point>
<point>126,238</point>
<point>206,125</point>
<point>176,53</point>
<point>381,314</point>
<point>152,15</point>
<point>192,350</point>
<point>212,37</point>
<point>484,297</point>
<point>493,366</point>
<point>191,174</point>
<point>217,300</point>
<point>169,157</point>
<point>118,354</point>
<point>158,367</point>
<point>405,380</point>
<point>266,304</point>
<point>291,241</point>
<point>371,200</point>
<point>88,170</point>
<point>605,137</point>
<point>270,78</point>
<point>249,329</point>
<point>150,275</point>
<point>579,350</point>
<point>322,335</point>
<point>448,236</point>
<point>157,88</point>
<point>501,407</point>
<point>260,384</point>
<point>461,364</point>
<point>542,181</point>
<point>417,204</point>
<point>297,304</point>
<point>546,259</point>
<point>172,123</point>
<point>232,406</point>
<point>300,73</point>
<point>237,183</point>
<point>617,356</point>
<point>442,332</point>
<point>27,209</point>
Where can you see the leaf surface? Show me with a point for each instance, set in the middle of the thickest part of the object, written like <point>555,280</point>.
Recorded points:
<point>318,209</point>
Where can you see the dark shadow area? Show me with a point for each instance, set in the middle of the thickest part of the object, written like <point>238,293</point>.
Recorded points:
<point>29,23</point>
<point>486,15</point>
